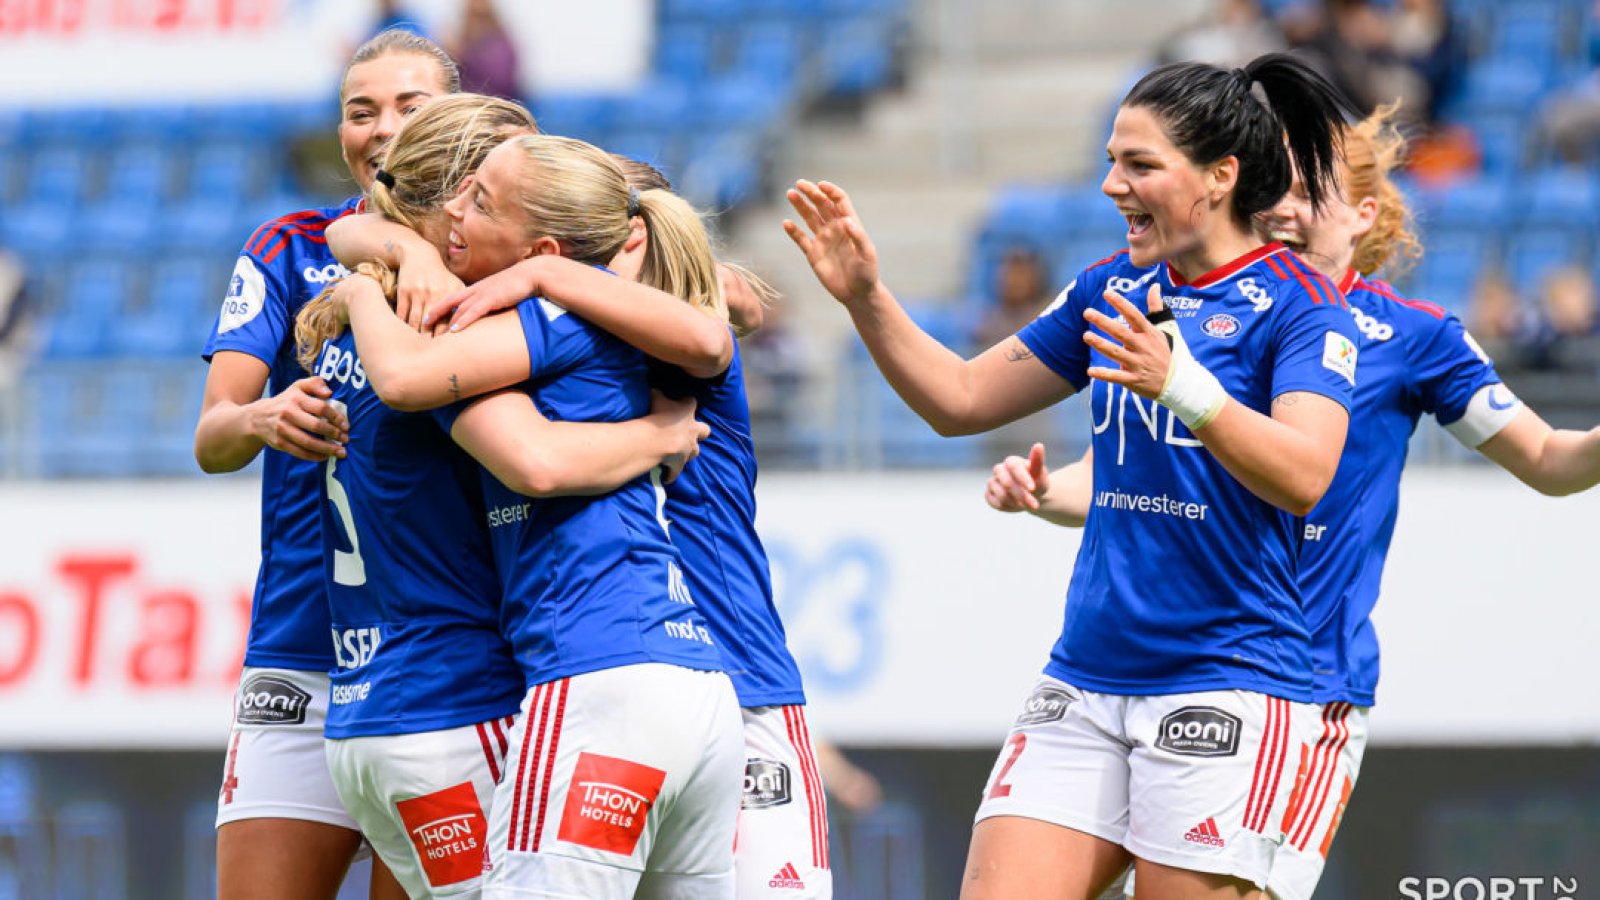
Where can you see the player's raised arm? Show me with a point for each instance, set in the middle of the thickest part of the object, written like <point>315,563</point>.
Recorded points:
<point>953,395</point>
<point>1552,461</point>
<point>421,278</point>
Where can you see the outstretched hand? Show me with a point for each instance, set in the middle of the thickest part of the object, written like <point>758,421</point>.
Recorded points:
<point>502,290</point>
<point>1142,352</point>
<point>1018,485</point>
<point>837,246</point>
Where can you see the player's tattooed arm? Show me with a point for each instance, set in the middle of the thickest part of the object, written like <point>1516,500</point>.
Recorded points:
<point>1018,352</point>
<point>455,387</point>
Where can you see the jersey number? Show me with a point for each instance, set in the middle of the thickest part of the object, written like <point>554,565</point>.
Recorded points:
<point>1000,788</point>
<point>348,568</point>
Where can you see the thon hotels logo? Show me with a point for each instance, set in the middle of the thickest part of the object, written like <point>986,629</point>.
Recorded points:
<point>449,832</point>
<point>607,801</point>
<point>1199,731</point>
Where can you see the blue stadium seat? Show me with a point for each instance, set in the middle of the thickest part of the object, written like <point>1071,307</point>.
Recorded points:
<point>685,52</point>
<point>740,102</point>
<point>138,172</point>
<point>204,223</point>
<point>677,11</point>
<point>1472,203</point>
<point>1502,85</point>
<point>723,169</point>
<point>660,104</point>
<point>192,288</point>
<point>1533,253</point>
<point>575,115</point>
<point>1502,142</point>
<point>1090,213</point>
<point>1527,31</point>
<point>38,231</point>
<point>769,50</point>
<point>120,226</point>
<point>1453,261</point>
<point>226,168</point>
<point>857,56</point>
<point>1561,197</point>
<point>661,149</point>
<point>58,172</point>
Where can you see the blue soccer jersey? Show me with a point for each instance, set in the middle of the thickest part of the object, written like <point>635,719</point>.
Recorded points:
<point>285,263</point>
<point>1186,581</point>
<point>412,587</point>
<point>712,510</point>
<point>1415,359</point>
<point>589,583</point>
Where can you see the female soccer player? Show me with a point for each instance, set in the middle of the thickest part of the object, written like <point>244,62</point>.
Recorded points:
<point>425,692</point>
<point>1415,359</point>
<point>281,831</point>
<point>625,765</point>
<point>1172,703</point>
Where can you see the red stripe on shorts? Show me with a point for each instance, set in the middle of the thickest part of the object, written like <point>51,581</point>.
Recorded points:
<point>522,768</point>
<point>488,753</point>
<point>1343,726</point>
<point>800,739</point>
<point>1264,751</point>
<point>1285,729</point>
<point>1322,766</point>
<point>550,763</point>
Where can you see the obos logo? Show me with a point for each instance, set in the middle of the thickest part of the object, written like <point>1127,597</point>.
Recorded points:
<point>766,784</point>
<point>329,272</point>
<point>1047,704</point>
<point>1221,326</point>
<point>271,700</point>
<point>247,294</point>
<point>1199,731</point>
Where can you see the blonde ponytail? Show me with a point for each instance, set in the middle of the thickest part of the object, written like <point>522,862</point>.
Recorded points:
<point>677,256</point>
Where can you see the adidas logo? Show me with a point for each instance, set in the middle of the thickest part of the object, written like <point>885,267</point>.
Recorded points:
<point>1206,833</point>
<point>788,878</point>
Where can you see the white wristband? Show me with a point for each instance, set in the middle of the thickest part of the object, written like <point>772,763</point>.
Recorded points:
<point>1193,394</point>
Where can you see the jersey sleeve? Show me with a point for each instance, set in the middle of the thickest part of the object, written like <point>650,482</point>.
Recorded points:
<point>255,316</point>
<point>1056,336</point>
<point>1457,382</point>
<point>1315,350</point>
<point>557,340</point>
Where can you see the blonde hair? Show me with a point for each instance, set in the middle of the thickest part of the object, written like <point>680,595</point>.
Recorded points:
<point>436,148</point>
<point>318,322</point>
<point>641,175</point>
<point>1373,147</point>
<point>398,40</point>
<point>577,193</point>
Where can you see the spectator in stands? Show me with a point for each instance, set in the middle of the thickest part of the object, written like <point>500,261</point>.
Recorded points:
<point>1564,336</point>
<point>14,316</point>
<point>1021,290</point>
<point>390,15</point>
<point>1423,36</point>
<point>1568,125</point>
<point>1235,32</point>
<point>1497,320</point>
<point>1352,43</point>
<point>486,53</point>
<point>777,363</point>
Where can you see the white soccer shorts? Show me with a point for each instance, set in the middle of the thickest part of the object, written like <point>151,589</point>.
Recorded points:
<point>276,767</point>
<point>423,799</point>
<point>1197,781</point>
<point>1330,769</point>
<point>782,850</point>
<point>620,783</point>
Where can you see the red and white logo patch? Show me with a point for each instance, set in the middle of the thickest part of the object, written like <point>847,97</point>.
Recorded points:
<point>787,878</point>
<point>607,802</point>
<point>449,831</point>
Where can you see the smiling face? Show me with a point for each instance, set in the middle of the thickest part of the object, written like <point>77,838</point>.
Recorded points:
<point>1165,197</point>
<point>377,95</point>
<point>488,226</point>
<point>1327,238</point>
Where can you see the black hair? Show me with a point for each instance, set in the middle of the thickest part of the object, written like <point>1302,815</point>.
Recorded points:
<point>1210,114</point>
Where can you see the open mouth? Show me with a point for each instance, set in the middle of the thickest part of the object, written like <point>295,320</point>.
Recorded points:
<point>455,244</point>
<point>1293,241</point>
<point>1138,222</point>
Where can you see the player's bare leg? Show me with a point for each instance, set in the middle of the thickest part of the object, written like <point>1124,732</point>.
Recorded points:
<point>1153,881</point>
<point>1016,858</point>
<point>283,859</point>
<point>384,886</point>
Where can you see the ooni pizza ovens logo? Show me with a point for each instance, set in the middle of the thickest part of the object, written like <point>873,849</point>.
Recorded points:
<point>1047,704</point>
<point>607,802</point>
<point>270,700</point>
<point>766,784</point>
<point>1199,731</point>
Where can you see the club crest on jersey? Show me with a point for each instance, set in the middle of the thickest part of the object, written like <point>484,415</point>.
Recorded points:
<point>247,295</point>
<point>1221,326</point>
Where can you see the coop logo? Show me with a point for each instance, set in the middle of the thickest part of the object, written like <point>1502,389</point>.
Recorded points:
<point>1537,887</point>
<point>766,784</point>
<point>329,272</point>
<point>247,294</point>
<point>607,803</point>
<point>1199,731</point>
<point>271,700</point>
<point>1047,704</point>
<point>1260,300</point>
<point>449,832</point>
<point>1221,326</point>
<point>1126,286</point>
<point>1371,327</point>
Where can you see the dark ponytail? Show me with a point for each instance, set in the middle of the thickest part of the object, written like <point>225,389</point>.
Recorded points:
<point>1211,113</point>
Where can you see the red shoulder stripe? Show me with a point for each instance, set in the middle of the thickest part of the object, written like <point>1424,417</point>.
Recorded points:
<point>265,232</point>
<point>1108,259</point>
<point>1432,309</point>
<point>310,230</point>
<point>1314,281</point>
